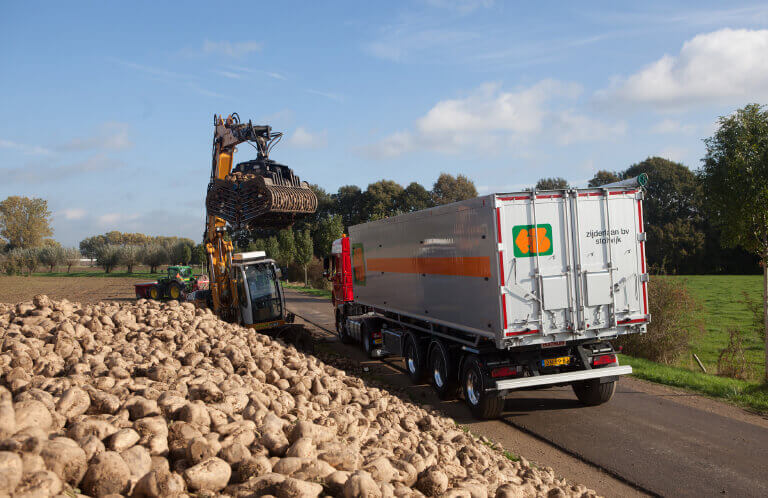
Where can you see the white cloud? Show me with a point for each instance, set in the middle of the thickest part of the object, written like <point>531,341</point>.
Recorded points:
<point>111,136</point>
<point>671,126</point>
<point>111,219</point>
<point>674,153</point>
<point>73,213</point>
<point>460,6</point>
<point>304,139</point>
<point>231,49</point>
<point>492,120</point>
<point>327,95</point>
<point>716,66</point>
<point>24,148</point>
<point>45,173</point>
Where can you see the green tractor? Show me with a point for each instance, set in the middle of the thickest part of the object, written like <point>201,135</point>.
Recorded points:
<point>176,285</point>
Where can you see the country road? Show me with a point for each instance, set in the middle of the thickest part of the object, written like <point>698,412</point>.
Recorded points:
<point>647,440</point>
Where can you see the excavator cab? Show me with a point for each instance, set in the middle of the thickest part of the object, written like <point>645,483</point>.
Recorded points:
<point>259,294</point>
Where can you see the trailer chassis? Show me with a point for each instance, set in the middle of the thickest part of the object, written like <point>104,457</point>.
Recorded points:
<point>457,362</point>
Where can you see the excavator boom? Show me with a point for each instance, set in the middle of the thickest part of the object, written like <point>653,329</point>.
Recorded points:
<point>256,194</point>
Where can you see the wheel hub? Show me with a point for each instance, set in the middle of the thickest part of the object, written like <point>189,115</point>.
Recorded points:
<point>472,395</point>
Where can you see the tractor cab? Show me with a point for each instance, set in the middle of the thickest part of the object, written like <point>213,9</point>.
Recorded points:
<point>182,273</point>
<point>259,293</point>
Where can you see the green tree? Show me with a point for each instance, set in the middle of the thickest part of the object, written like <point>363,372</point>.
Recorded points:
<point>449,189</point>
<point>155,255</point>
<point>414,198</point>
<point>555,183</point>
<point>108,257</point>
<point>603,177</point>
<point>735,177</point>
<point>287,247</point>
<point>130,256</point>
<point>71,257</point>
<point>181,252</point>
<point>349,204</point>
<point>329,229</point>
<point>304,251</point>
<point>52,256</point>
<point>24,221</point>
<point>90,246</point>
<point>258,245</point>
<point>198,254</point>
<point>381,200</point>
<point>673,200</point>
<point>272,248</point>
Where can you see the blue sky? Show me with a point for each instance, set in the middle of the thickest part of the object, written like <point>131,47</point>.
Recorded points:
<point>107,107</point>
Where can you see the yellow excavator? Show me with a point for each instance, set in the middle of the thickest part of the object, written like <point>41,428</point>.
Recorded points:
<point>259,194</point>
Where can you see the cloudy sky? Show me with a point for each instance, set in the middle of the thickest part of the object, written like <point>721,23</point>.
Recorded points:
<point>107,108</point>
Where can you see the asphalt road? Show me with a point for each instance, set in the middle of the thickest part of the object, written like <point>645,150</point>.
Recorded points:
<point>659,440</point>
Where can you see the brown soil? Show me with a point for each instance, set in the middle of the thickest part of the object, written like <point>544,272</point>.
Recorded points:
<point>81,289</point>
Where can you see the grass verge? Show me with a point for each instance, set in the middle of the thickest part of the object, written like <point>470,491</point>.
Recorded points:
<point>308,290</point>
<point>750,395</point>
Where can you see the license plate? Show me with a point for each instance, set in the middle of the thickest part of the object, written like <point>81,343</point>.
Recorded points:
<point>556,362</point>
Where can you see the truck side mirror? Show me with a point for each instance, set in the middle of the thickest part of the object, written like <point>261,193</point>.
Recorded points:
<point>326,264</point>
<point>279,273</point>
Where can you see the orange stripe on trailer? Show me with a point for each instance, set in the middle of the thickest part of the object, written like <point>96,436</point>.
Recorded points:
<point>464,267</point>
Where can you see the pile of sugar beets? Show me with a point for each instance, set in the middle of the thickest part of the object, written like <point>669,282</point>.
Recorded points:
<point>151,399</point>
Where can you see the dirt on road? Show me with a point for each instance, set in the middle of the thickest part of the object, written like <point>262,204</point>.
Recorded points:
<point>81,289</point>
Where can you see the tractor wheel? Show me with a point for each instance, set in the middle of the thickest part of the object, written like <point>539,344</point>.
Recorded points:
<point>174,291</point>
<point>154,292</point>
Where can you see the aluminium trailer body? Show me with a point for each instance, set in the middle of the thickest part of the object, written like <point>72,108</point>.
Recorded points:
<point>500,292</point>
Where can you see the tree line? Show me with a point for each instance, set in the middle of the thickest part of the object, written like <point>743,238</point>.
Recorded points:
<point>114,249</point>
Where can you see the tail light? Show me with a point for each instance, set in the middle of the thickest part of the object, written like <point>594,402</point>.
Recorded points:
<point>605,359</point>
<point>506,371</point>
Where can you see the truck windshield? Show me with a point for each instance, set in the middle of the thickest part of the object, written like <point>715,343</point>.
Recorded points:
<point>265,295</point>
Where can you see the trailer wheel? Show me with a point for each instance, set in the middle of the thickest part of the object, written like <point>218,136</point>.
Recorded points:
<point>414,363</point>
<point>442,377</point>
<point>483,404</point>
<point>592,392</point>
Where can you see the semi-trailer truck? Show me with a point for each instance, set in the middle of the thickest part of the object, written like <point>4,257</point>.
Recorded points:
<point>501,292</point>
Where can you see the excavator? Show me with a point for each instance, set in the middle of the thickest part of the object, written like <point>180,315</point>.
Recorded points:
<point>262,195</point>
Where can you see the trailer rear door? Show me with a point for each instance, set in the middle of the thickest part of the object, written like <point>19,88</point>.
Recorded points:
<point>571,263</point>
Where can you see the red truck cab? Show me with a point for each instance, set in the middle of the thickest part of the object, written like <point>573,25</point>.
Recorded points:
<point>340,271</point>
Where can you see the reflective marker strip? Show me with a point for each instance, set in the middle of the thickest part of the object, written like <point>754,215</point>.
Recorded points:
<point>642,255</point>
<point>522,332</point>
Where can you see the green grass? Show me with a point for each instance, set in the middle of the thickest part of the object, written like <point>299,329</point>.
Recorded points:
<point>308,290</point>
<point>721,296</point>
<point>100,274</point>
<point>750,395</point>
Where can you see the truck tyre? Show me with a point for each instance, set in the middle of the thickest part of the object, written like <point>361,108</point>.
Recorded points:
<point>441,372</point>
<point>341,329</point>
<point>483,404</point>
<point>366,340</point>
<point>592,392</point>
<point>414,362</point>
